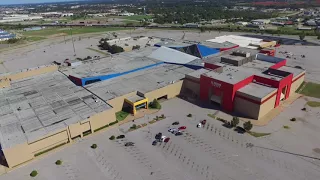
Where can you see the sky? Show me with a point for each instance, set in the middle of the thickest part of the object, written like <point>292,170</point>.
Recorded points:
<point>28,1</point>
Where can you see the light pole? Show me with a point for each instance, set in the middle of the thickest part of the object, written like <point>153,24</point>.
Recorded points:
<point>74,49</point>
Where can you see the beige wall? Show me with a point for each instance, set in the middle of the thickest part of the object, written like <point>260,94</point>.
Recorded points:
<point>117,103</point>
<point>246,108</point>
<point>267,106</point>
<point>295,85</point>
<point>253,110</point>
<point>268,44</point>
<point>4,83</point>
<point>18,154</point>
<point>32,72</point>
<point>171,90</point>
<point>102,119</point>
<point>21,153</point>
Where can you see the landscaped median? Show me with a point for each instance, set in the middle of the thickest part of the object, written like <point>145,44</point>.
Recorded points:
<point>247,126</point>
<point>310,89</point>
<point>157,118</point>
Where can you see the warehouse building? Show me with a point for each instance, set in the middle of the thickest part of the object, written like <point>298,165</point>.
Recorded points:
<point>42,108</point>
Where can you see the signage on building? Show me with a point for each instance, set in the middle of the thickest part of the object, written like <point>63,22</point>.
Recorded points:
<point>215,84</point>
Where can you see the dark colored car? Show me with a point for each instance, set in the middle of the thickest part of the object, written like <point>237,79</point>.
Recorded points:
<point>178,133</point>
<point>158,136</point>
<point>154,142</point>
<point>203,122</point>
<point>240,130</point>
<point>129,144</point>
<point>176,123</point>
<point>166,140</point>
<point>182,128</point>
<point>121,136</point>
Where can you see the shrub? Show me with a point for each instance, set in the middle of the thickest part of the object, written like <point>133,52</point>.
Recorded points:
<point>113,123</point>
<point>121,136</point>
<point>157,117</point>
<point>155,104</point>
<point>112,137</point>
<point>134,126</point>
<point>162,116</point>
<point>235,121</point>
<point>58,162</point>
<point>34,173</point>
<point>293,119</point>
<point>135,47</point>
<point>286,127</point>
<point>247,126</point>
<point>189,115</point>
<point>94,146</point>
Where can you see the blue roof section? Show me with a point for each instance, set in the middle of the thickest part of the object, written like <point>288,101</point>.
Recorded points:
<point>206,51</point>
<point>89,80</point>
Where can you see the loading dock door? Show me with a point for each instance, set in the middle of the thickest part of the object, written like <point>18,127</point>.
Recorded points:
<point>216,99</point>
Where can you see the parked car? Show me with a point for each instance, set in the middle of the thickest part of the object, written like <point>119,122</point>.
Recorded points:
<point>203,122</point>
<point>199,125</point>
<point>163,138</point>
<point>172,130</point>
<point>129,144</point>
<point>166,140</point>
<point>240,130</point>
<point>176,123</point>
<point>182,128</point>
<point>178,133</point>
<point>154,142</point>
<point>158,136</point>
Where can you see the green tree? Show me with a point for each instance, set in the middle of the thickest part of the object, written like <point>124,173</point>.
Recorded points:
<point>235,121</point>
<point>247,126</point>
<point>318,37</point>
<point>302,36</point>
<point>155,104</point>
<point>58,162</point>
<point>34,173</point>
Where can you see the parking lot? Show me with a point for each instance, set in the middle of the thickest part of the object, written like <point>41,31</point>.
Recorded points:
<point>209,153</point>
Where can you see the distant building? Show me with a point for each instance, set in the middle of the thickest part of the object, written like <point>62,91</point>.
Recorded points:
<point>4,35</point>
<point>241,23</point>
<point>33,28</point>
<point>261,21</point>
<point>126,14</point>
<point>191,25</point>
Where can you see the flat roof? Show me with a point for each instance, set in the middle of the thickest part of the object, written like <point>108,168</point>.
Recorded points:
<point>135,98</point>
<point>38,106</point>
<point>116,63</point>
<point>295,71</point>
<point>143,81</point>
<point>256,91</point>
<point>230,74</point>
<point>169,55</point>
<point>197,73</point>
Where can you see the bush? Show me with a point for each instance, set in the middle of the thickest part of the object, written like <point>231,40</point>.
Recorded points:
<point>235,121</point>
<point>134,126</point>
<point>247,126</point>
<point>121,136</point>
<point>293,119</point>
<point>135,47</point>
<point>162,116</point>
<point>94,146</point>
<point>58,162</point>
<point>113,123</point>
<point>286,127</point>
<point>155,104</point>
<point>112,137</point>
<point>34,173</point>
<point>189,115</point>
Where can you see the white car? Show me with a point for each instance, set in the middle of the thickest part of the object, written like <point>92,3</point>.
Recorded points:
<point>162,138</point>
<point>199,125</point>
<point>172,130</point>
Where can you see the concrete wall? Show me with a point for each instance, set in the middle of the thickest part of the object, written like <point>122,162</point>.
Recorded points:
<point>4,83</point>
<point>171,91</point>
<point>117,103</point>
<point>246,108</point>
<point>102,119</point>
<point>296,84</point>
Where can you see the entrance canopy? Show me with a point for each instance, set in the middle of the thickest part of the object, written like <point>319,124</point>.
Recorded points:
<point>136,102</point>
